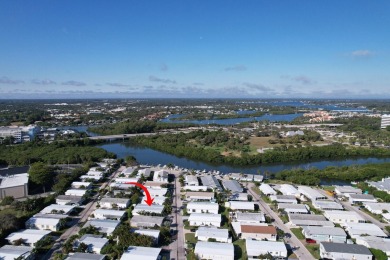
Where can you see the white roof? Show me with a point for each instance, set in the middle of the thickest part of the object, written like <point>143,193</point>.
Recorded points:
<point>357,229</point>
<point>155,233</point>
<point>250,217</point>
<point>338,214</point>
<point>347,189</point>
<point>204,217</point>
<point>328,205</point>
<point>244,205</point>
<point>153,208</point>
<point>141,253</point>
<point>125,180</point>
<point>203,205</point>
<point>361,197</point>
<point>81,183</point>
<point>140,219</point>
<point>129,170</point>
<point>9,252</point>
<point>95,241</point>
<point>334,231</point>
<point>377,206</point>
<point>42,220</point>
<point>255,248</point>
<point>65,208</point>
<point>157,192</point>
<point>157,200</point>
<point>210,248</point>
<point>76,192</point>
<point>374,242</point>
<point>267,189</point>
<point>30,236</point>
<point>14,180</point>
<point>109,212</point>
<point>310,192</point>
<point>105,225</point>
<point>115,200</point>
<point>212,232</point>
<point>191,178</point>
<point>232,185</point>
<point>288,189</point>
<point>286,206</point>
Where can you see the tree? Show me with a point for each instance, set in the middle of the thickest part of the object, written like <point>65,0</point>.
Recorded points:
<point>41,174</point>
<point>7,200</point>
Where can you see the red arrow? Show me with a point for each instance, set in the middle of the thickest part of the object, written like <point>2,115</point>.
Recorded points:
<point>149,199</point>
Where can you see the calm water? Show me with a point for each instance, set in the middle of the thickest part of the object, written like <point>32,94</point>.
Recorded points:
<point>233,121</point>
<point>149,156</point>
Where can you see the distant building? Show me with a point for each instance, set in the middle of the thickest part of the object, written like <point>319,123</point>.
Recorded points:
<point>385,122</point>
<point>14,185</point>
<point>19,133</point>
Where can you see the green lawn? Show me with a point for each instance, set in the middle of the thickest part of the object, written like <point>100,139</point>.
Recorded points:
<point>240,250</point>
<point>190,237</point>
<point>314,250</point>
<point>256,190</point>
<point>297,232</point>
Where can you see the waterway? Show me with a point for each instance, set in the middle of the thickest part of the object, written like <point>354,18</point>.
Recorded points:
<point>233,121</point>
<point>149,156</point>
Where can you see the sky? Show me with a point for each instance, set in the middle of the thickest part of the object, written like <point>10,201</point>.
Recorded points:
<point>195,49</point>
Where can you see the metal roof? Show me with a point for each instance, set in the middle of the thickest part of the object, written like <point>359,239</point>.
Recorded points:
<point>346,248</point>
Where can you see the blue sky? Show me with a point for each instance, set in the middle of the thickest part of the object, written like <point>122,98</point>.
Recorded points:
<point>249,49</point>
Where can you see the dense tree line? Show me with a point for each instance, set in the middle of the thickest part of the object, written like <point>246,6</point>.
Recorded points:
<point>182,145</point>
<point>53,153</point>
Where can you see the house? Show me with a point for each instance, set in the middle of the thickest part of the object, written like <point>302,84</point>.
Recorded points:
<point>128,171</point>
<point>287,189</point>
<point>309,220</point>
<point>342,217</point>
<point>94,178</point>
<point>95,243</point>
<point>141,253</point>
<point>53,222</point>
<point>110,203</point>
<point>191,180</point>
<point>377,208</point>
<point>109,214</point>
<point>81,185</point>
<point>204,219</point>
<point>325,234</point>
<point>327,205</point>
<point>360,198</point>
<point>356,230</point>
<point>249,218</point>
<point>335,251</point>
<point>14,185</point>
<point>284,199</point>
<point>294,208</point>
<point>240,196</point>
<point>240,205</point>
<point>69,200</point>
<point>383,185</point>
<point>146,221</point>
<point>76,192</point>
<point>255,248</point>
<point>156,209</point>
<point>154,184</point>
<point>196,188</point>
<point>202,207</point>
<point>103,225</point>
<point>161,176</point>
<point>58,209</point>
<point>124,180</point>
<point>28,237</point>
<point>311,193</point>
<point>215,251</point>
<point>206,233</point>
<point>120,186</point>
<point>85,256</point>
<point>199,196</point>
<point>256,232</point>
<point>267,190</point>
<point>211,182</point>
<point>9,252</point>
<point>154,233</point>
<point>156,200</point>
<point>375,242</point>
<point>232,185</point>
<point>157,192</point>
<point>246,177</point>
<point>144,172</point>
<point>346,190</point>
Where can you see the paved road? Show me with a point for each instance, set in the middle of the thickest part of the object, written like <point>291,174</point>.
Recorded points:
<point>302,252</point>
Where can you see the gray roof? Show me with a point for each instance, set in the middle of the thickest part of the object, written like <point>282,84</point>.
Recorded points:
<point>307,217</point>
<point>346,248</point>
<point>85,256</point>
<point>210,181</point>
<point>334,231</point>
<point>362,196</point>
<point>139,219</point>
<point>232,185</point>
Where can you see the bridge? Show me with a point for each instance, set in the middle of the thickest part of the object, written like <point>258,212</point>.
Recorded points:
<point>121,136</point>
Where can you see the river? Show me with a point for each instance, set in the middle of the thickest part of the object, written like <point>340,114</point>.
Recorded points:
<point>149,156</point>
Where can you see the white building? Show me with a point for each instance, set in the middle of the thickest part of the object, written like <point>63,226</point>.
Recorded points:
<point>309,220</point>
<point>202,207</point>
<point>284,199</point>
<point>249,218</point>
<point>232,185</point>
<point>344,251</point>
<point>356,230</point>
<point>199,196</point>
<point>110,203</point>
<point>266,189</point>
<point>156,200</point>
<point>311,193</point>
<point>161,176</point>
<point>377,208</point>
<point>85,256</point>
<point>15,185</point>
<point>58,209</point>
<point>146,221</point>
<point>258,232</point>
<point>191,180</point>
<point>345,190</point>
<point>375,242</point>
<point>81,185</point>
<point>240,205</point>
<point>155,192</point>
<point>28,236</point>
<point>139,208</point>
<point>385,121</point>
<point>204,219</point>
<point>109,214</point>
<point>327,205</point>
<point>287,189</point>
<point>195,188</point>
<point>254,248</point>
<point>69,200</point>
<point>9,252</point>
<point>220,235</point>
<point>125,180</point>
<point>343,217</point>
<point>240,196</point>
<point>141,253</point>
<point>294,208</point>
<point>144,172</point>
<point>76,192</point>
<point>51,222</point>
<point>95,243</point>
<point>361,198</point>
<point>211,182</point>
<point>214,251</point>
<point>325,234</point>
<point>154,233</point>
<point>103,225</point>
